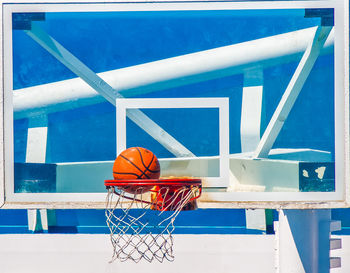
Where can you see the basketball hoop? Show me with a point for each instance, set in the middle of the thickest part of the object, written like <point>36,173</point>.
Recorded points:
<point>140,214</point>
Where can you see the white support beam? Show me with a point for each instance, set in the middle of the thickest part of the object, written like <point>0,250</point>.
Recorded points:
<point>103,88</point>
<point>32,216</point>
<point>36,153</point>
<point>255,219</point>
<point>37,139</point>
<point>38,219</point>
<point>251,117</point>
<point>292,91</point>
<point>252,106</point>
<point>148,77</point>
<point>43,213</point>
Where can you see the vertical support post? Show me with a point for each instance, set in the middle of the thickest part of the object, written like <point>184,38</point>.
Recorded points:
<point>303,241</point>
<point>252,115</point>
<point>36,152</point>
<point>38,219</point>
<point>37,139</point>
<point>252,109</point>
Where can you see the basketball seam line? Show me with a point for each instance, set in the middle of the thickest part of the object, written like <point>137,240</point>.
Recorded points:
<point>132,163</point>
<point>143,163</point>
<point>150,165</point>
<point>128,173</point>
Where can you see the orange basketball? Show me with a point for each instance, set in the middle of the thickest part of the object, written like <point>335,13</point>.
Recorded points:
<point>136,163</point>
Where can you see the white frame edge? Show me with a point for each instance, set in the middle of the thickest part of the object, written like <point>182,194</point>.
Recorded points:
<point>2,131</point>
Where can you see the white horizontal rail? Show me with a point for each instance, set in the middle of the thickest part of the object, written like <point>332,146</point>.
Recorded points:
<point>167,73</point>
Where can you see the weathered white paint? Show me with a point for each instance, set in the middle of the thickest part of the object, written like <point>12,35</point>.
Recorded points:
<point>255,219</point>
<point>265,175</point>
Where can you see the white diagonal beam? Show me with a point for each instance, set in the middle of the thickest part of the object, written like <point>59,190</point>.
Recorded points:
<point>103,88</point>
<point>292,91</point>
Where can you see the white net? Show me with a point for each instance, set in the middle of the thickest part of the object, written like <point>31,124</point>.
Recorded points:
<point>141,224</point>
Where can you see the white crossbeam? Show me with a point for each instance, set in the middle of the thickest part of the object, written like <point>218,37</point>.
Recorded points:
<point>292,91</point>
<point>103,88</point>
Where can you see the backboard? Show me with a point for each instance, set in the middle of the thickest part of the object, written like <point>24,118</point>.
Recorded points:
<point>233,92</point>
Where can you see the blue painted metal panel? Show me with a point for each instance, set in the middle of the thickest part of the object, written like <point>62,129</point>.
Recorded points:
<point>201,221</point>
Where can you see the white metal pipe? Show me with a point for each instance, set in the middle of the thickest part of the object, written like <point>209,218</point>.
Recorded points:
<point>167,73</point>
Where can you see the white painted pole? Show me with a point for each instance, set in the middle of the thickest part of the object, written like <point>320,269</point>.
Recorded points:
<point>36,152</point>
<point>251,113</point>
<point>251,117</point>
<point>37,139</point>
<point>167,73</point>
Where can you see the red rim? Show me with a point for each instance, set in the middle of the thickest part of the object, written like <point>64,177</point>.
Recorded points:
<point>154,182</point>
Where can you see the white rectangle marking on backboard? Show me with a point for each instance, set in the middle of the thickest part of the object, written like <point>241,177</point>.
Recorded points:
<point>122,105</point>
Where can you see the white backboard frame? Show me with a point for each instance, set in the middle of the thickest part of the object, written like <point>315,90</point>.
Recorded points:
<point>340,198</point>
